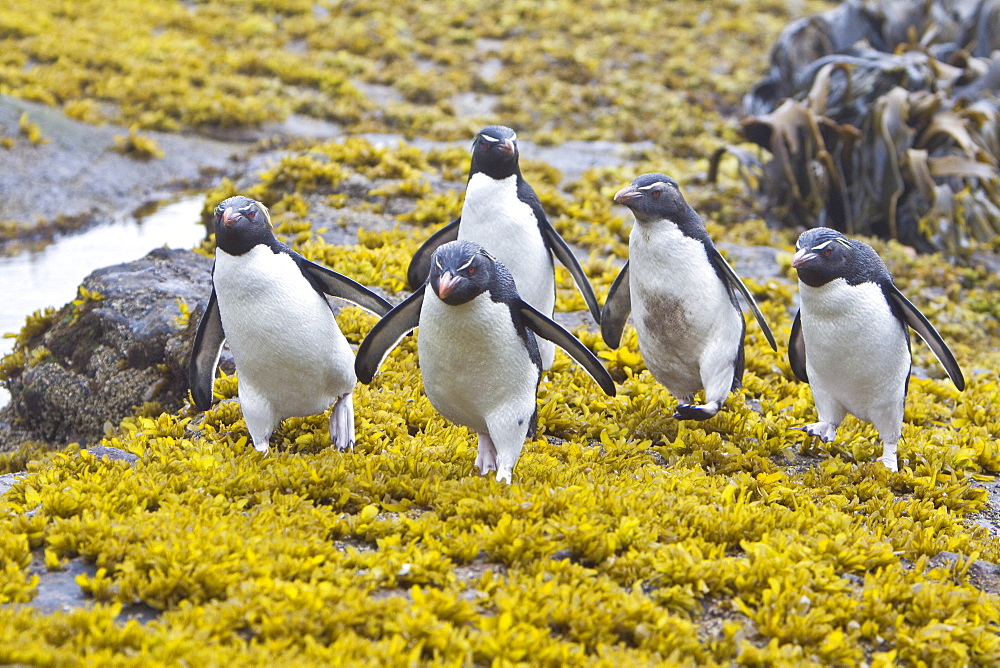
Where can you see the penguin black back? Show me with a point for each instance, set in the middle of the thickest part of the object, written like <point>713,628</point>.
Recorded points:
<point>241,224</point>
<point>494,153</point>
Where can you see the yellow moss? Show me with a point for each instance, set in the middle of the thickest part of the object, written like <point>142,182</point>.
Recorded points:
<point>137,146</point>
<point>31,130</point>
<point>626,535</point>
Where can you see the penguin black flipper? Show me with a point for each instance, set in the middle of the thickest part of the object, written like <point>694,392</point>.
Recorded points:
<point>558,247</point>
<point>797,349</point>
<point>564,254</point>
<point>552,331</point>
<point>915,319</point>
<point>715,257</point>
<point>205,354</point>
<point>616,309</point>
<point>337,285</point>
<point>420,264</point>
<point>386,333</point>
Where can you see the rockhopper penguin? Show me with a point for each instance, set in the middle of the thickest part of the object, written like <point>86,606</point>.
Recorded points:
<point>502,213</point>
<point>477,350</point>
<point>850,340</point>
<point>682,296</point>
<point>269,303</point>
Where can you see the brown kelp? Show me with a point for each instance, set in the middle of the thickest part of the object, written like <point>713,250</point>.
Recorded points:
<point>882,118</point>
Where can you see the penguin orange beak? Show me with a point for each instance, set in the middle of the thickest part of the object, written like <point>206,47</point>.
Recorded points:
<point>230,216</point>
<point>627,194</point>
<point>802,256</point>
<point>507,146</point>
<point>447,284</point>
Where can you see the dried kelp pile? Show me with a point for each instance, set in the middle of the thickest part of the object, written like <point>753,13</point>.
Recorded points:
<point>883,118</point>
<point>628,537</point>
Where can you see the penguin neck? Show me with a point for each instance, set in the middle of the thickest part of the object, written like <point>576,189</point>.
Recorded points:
<point>489,194</point>
<point>495,169</point>
<point>663,234</point>
<point>831,298</point>
<point>241,244</point>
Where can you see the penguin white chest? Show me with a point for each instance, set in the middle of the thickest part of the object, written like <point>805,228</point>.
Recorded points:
<point>681,308</point>
<point>289,351</point>
<point>856,350</point>
<point>475,366</point>
<point>506,227</point>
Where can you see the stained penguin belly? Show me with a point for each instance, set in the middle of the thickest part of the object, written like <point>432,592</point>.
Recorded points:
<point>856,350</point>
<point>285,341</point>
<point>682,312</point>
<point>475,368</point>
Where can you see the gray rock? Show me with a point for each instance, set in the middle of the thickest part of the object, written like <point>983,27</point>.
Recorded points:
<point>109,356</point>
<point>77,174</point>
<point>757,262</point>
<point>58,590</point>
<point>984,575</point>
<point>7,481</point>
<point>114,454</point>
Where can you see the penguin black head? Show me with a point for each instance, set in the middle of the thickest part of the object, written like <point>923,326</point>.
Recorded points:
<point>654,197</point>
<point>460,272</point>
<point>823,255</point>
<point>494,152</point>
<point>242,223</point>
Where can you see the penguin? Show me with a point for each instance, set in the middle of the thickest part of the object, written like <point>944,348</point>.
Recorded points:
<point>850,340</point>
<point>477,350</point>
<point>269,303</point>
<point>502,213</point>
<point>682,295</point>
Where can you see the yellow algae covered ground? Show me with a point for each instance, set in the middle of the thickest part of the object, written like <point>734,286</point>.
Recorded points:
<point>628,537</point>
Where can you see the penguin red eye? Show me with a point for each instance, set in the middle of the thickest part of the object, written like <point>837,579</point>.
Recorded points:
<point>827,252</point>
<point>471,271</point>
<point>654,194</point>
<point>251,213</point>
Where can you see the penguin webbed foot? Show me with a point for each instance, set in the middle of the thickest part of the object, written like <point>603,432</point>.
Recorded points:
<point>696,411</point>
<point>888,457</point>
<point>342,422</point>
<point>486,455</point>
<point>825,431</point>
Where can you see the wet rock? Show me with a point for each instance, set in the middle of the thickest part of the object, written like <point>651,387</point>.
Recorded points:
<point>106,356</point>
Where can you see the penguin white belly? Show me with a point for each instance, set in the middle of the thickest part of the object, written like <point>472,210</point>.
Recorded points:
<point>682,311</point>
<point>856,350</point>
<point>506,227</point>
<point>290,354</point>
<point>476,368</point>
